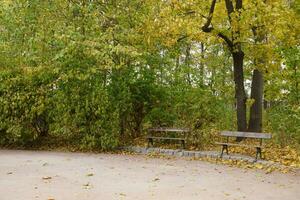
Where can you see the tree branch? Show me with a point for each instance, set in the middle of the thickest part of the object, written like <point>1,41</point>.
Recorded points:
<point>182,38</point>
<point>227,40</point>
<point>207,28</point>
<point>229,8</point>
<point>239,4</point>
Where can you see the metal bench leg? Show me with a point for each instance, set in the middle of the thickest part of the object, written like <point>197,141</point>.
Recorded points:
<point>223,148</point>
<point>150,141</point>
<point>226,149</point>
<point>182,144</point>
<point>258,153</point>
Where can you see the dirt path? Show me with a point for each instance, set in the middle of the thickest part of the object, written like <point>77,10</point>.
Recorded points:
<point>28,175</point>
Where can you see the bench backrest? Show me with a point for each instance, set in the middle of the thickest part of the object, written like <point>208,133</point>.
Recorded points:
<point>180,130</point>
<point>246,134</point>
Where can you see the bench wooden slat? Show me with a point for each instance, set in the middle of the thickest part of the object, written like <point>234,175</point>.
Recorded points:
<point>164,138</point>
<point>163,131</point>
<point>246,134</point>
<point>168,130</point>
<point>251,135</point>
<point>235,144</point>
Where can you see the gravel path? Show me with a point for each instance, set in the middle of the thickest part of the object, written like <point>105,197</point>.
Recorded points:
<point>30,175</point>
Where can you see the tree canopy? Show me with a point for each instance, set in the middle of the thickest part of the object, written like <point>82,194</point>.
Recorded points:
<point>99,72</point>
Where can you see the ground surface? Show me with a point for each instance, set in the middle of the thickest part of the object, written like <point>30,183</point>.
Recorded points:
<point>29,175</point>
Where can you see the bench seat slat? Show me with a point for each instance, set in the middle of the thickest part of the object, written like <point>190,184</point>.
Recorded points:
<point>234,144</point>
<point>168,130</point>
<point>165,138</point>
<point>246,134</point>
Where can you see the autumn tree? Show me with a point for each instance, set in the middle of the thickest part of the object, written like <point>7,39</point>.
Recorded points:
<point>102,71</point>
<point>251,31</point>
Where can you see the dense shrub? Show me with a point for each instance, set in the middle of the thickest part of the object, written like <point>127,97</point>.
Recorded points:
<point>39,103</point>
<point>24,105</point>
<point>283,120</point>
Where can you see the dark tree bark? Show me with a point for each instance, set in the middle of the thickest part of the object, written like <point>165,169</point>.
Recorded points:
<point>255,121</point>
<point>122,123</point>
<point>41,124</point>
<point>202,49</point>
<point>235,48</point>
<point>187,62</point>
<point>257,87</point>
<point>240,95</point>
<point>139,115</point>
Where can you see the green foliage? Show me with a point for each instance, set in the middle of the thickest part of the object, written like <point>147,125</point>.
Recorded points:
<point>24,110</point>
<point>103,72</point>
<point>284,122</point>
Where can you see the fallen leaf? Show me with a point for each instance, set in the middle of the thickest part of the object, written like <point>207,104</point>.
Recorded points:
<point>156,179</point>
<point>259,166</point>
<point>47,178</point>
<point>87,186</point>
<point>269,170</point>
<point>90,174</point>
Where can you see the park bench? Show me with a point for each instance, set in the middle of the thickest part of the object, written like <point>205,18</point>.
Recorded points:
<point>179,132</point>
<point>250,135</point>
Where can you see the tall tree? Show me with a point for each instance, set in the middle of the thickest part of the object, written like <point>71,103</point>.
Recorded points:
<point>258,16</point>
<point>235,46</point>
<point>251,31</point>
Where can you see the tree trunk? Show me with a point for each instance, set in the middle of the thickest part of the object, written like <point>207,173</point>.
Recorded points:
<point>122,123</point>
<point>187,63</point>
<point>240,95</point>
<point>257,87</point>
<point>138,118</point>
<point>202,65</point>
<point>235,47</point>
<point>255,121</point>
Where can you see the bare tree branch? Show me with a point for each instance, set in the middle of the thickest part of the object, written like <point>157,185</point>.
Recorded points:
<point>239,4</point>
<point>227,40</point>
<point>229,8</point>
<point>207,27</point>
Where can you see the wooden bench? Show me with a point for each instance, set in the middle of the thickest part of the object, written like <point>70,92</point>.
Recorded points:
<point>251,135</point>
<point>152,136</point>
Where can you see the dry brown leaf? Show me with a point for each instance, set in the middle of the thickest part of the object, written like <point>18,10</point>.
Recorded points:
<point>47,178</point>
<point>156,179</point>
<point>90,174</point>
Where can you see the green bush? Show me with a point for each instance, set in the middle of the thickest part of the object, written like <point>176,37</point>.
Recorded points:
<point>283,120</point>
<point>24,105</point>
